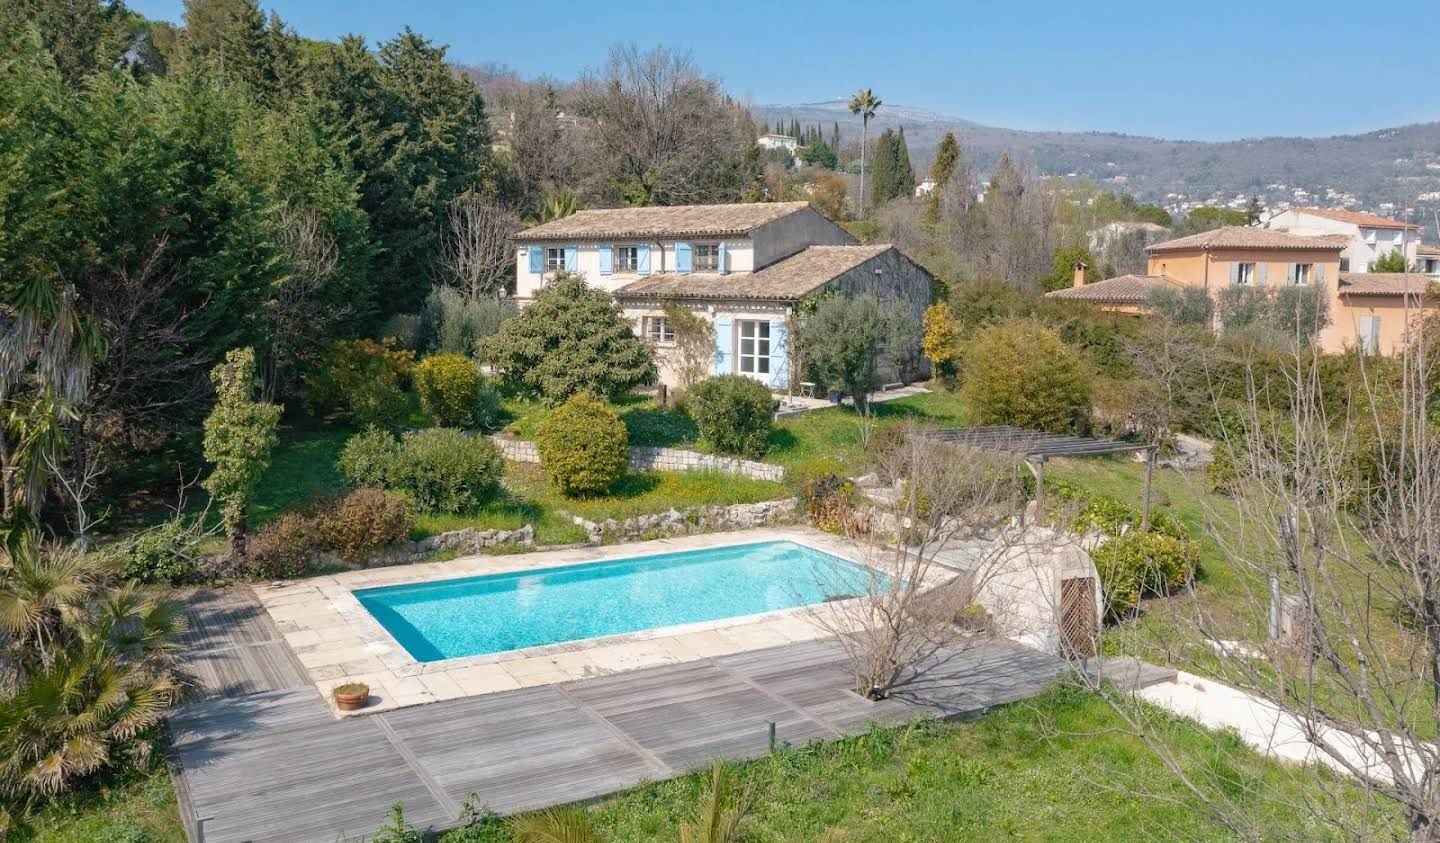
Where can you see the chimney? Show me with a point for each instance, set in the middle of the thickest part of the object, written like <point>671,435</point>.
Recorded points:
<point>1080,267</point>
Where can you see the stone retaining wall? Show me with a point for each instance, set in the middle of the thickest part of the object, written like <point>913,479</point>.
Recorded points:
<point>657,459</point>
<point>675,522</point>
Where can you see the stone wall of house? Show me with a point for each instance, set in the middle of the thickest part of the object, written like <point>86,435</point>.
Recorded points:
<point>894,278</point>
<point>678,522</point>
<point>657,459</point>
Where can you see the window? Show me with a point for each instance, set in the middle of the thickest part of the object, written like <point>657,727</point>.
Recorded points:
<point>1244,273</point>
<point>1302,274</point>
<point>627,258</point>
<point>1344,264</point>
<point>707,257</point>
<point>754,348</point>
<point>554,259</point>
<point>657,330</point>
<point>1369,234</point>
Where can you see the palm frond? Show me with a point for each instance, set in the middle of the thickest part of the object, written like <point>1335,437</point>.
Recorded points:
<point>557,825</point>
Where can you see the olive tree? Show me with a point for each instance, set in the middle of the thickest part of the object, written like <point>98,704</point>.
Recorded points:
<point>848,340</point>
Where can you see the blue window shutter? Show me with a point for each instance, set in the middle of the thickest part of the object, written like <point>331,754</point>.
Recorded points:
<point>724,347</point>
<point>537,260</point>
<point>1320,274</point>
<point>683,258</point>
<point>779,362</point>
<point>642,259</point>
<point>1290,273</point>
<point>572,258</point>
<point>1234,273</point>
<point>724,259</point>
<point>607,262</point>
<point>1260,273</point>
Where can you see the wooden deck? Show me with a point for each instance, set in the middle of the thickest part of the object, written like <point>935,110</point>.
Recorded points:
<point>272,764</point>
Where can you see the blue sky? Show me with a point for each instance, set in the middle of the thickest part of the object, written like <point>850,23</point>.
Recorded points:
<point>1204,71</point>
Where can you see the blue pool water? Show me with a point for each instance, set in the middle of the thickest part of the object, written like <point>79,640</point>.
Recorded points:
<point>491,614</point>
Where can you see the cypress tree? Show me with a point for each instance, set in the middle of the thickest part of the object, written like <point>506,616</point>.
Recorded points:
<point>883,177</point>
<point>945,158</point>
<point>835,136</point>
<point>904,173</point>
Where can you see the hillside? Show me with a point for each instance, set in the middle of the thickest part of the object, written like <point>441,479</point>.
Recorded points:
<point>1393,171</point>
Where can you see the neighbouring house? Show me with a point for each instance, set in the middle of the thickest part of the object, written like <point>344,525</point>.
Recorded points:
<point>1369,237</point>
<point>746,267</point>
<point>1427,260</point>
<point>926,187</point>
<point>785,142</point>
<point>1367,310</point>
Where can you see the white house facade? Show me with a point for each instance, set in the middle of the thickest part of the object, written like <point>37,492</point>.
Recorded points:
<point>1371,237</point>
<point>744,267</point>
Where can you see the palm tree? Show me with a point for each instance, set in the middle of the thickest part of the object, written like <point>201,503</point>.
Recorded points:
<point>864,103</point>
<point>559,206</point>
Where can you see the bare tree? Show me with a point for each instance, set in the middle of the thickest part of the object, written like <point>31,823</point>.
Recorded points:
<point>1334,542</point>
<point>692,356</point>
<point>952,530</point>
<point>78,483</point>
<point>667,134</point>
<point>300,316</point>
<point>478,253</point>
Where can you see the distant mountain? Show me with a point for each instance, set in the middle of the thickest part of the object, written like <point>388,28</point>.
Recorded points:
<point>1395,172</point>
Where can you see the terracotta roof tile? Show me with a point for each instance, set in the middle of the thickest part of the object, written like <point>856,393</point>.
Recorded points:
<point>1423,249</point>
<point>1355,218</point>
<point>1244,237</point>
<point>787,280</point>
<point>1122,289</point>
<point>1384,283</point>
<point>662,221</point>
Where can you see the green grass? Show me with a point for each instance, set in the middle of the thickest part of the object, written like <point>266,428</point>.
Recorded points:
<point>138,808</point>
<point>640,493</point>
<point>303,469</point>
<point>828,441</point>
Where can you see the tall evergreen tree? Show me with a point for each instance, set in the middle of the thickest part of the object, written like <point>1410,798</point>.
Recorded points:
<point>884,178</point>
<point>904,172</point>
<point>945,157</point>
<point>835,136</point>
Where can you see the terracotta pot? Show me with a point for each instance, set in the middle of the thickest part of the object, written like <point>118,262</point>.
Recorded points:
<point>352,702</point>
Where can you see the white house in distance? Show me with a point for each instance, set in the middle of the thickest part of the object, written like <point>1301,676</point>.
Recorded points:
<point>1371,237</point>
<point>773,141</point>
<point>1427,260</point>
<point>745,267</point>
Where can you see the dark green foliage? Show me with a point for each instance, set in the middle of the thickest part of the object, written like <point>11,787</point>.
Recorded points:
<point>583,446</point>
<point>1392,261</point>
<point>1021,373</point>
<point>818,154</point>
<point>1062,273</point>
<point>847,339</point>
<point>733,413</point>
<point>167,553</point>
<point>946,156</point>
<point>442,469</point>
<point>418,135</point>
<point>1207,219</point>
<point>573,338</point>
<point>364,379</point>
<point>891,174</point>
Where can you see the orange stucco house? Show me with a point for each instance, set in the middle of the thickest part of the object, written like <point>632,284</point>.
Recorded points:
<point>1367,310</point>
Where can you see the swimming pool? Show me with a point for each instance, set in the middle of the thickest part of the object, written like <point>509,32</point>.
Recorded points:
<point>491,614</point>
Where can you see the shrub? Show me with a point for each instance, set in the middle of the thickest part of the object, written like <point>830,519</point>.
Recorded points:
<point>283,547</point>
<point>363,378</point>
<point>573,338</point>
<point>453,393</point>
<point>1020,373</point>
<point>451,323</point>
<point>1143,562</point>
<point>733,413</point>
<point>368,456</point>
<point>848,340</point>
<point>168,552</point>
<point>831,503</point>
<point>583,446</point>
<point>940,339</point>
<point>444,470</point>
<point>364,519</point>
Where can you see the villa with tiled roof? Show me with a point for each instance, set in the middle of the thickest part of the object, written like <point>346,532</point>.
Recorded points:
<point>1368,237</point>
<point>745,267</point>
<point>1371,311</point>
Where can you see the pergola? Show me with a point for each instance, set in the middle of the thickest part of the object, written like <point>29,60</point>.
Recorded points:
<point>1035,447</point>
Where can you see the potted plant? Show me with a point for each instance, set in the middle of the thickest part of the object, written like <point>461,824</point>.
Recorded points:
<point>351,696</point>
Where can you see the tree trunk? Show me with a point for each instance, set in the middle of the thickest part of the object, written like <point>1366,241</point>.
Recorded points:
<point>237,542</point>
<point>864,142</point>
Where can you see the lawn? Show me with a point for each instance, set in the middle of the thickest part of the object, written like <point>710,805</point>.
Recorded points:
<point>828,441</point>
<point>138,808</point>
<point>647,422</point>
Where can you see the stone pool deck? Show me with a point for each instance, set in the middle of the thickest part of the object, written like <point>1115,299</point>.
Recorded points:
<point>262,758</point>
<point>336,640</point>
